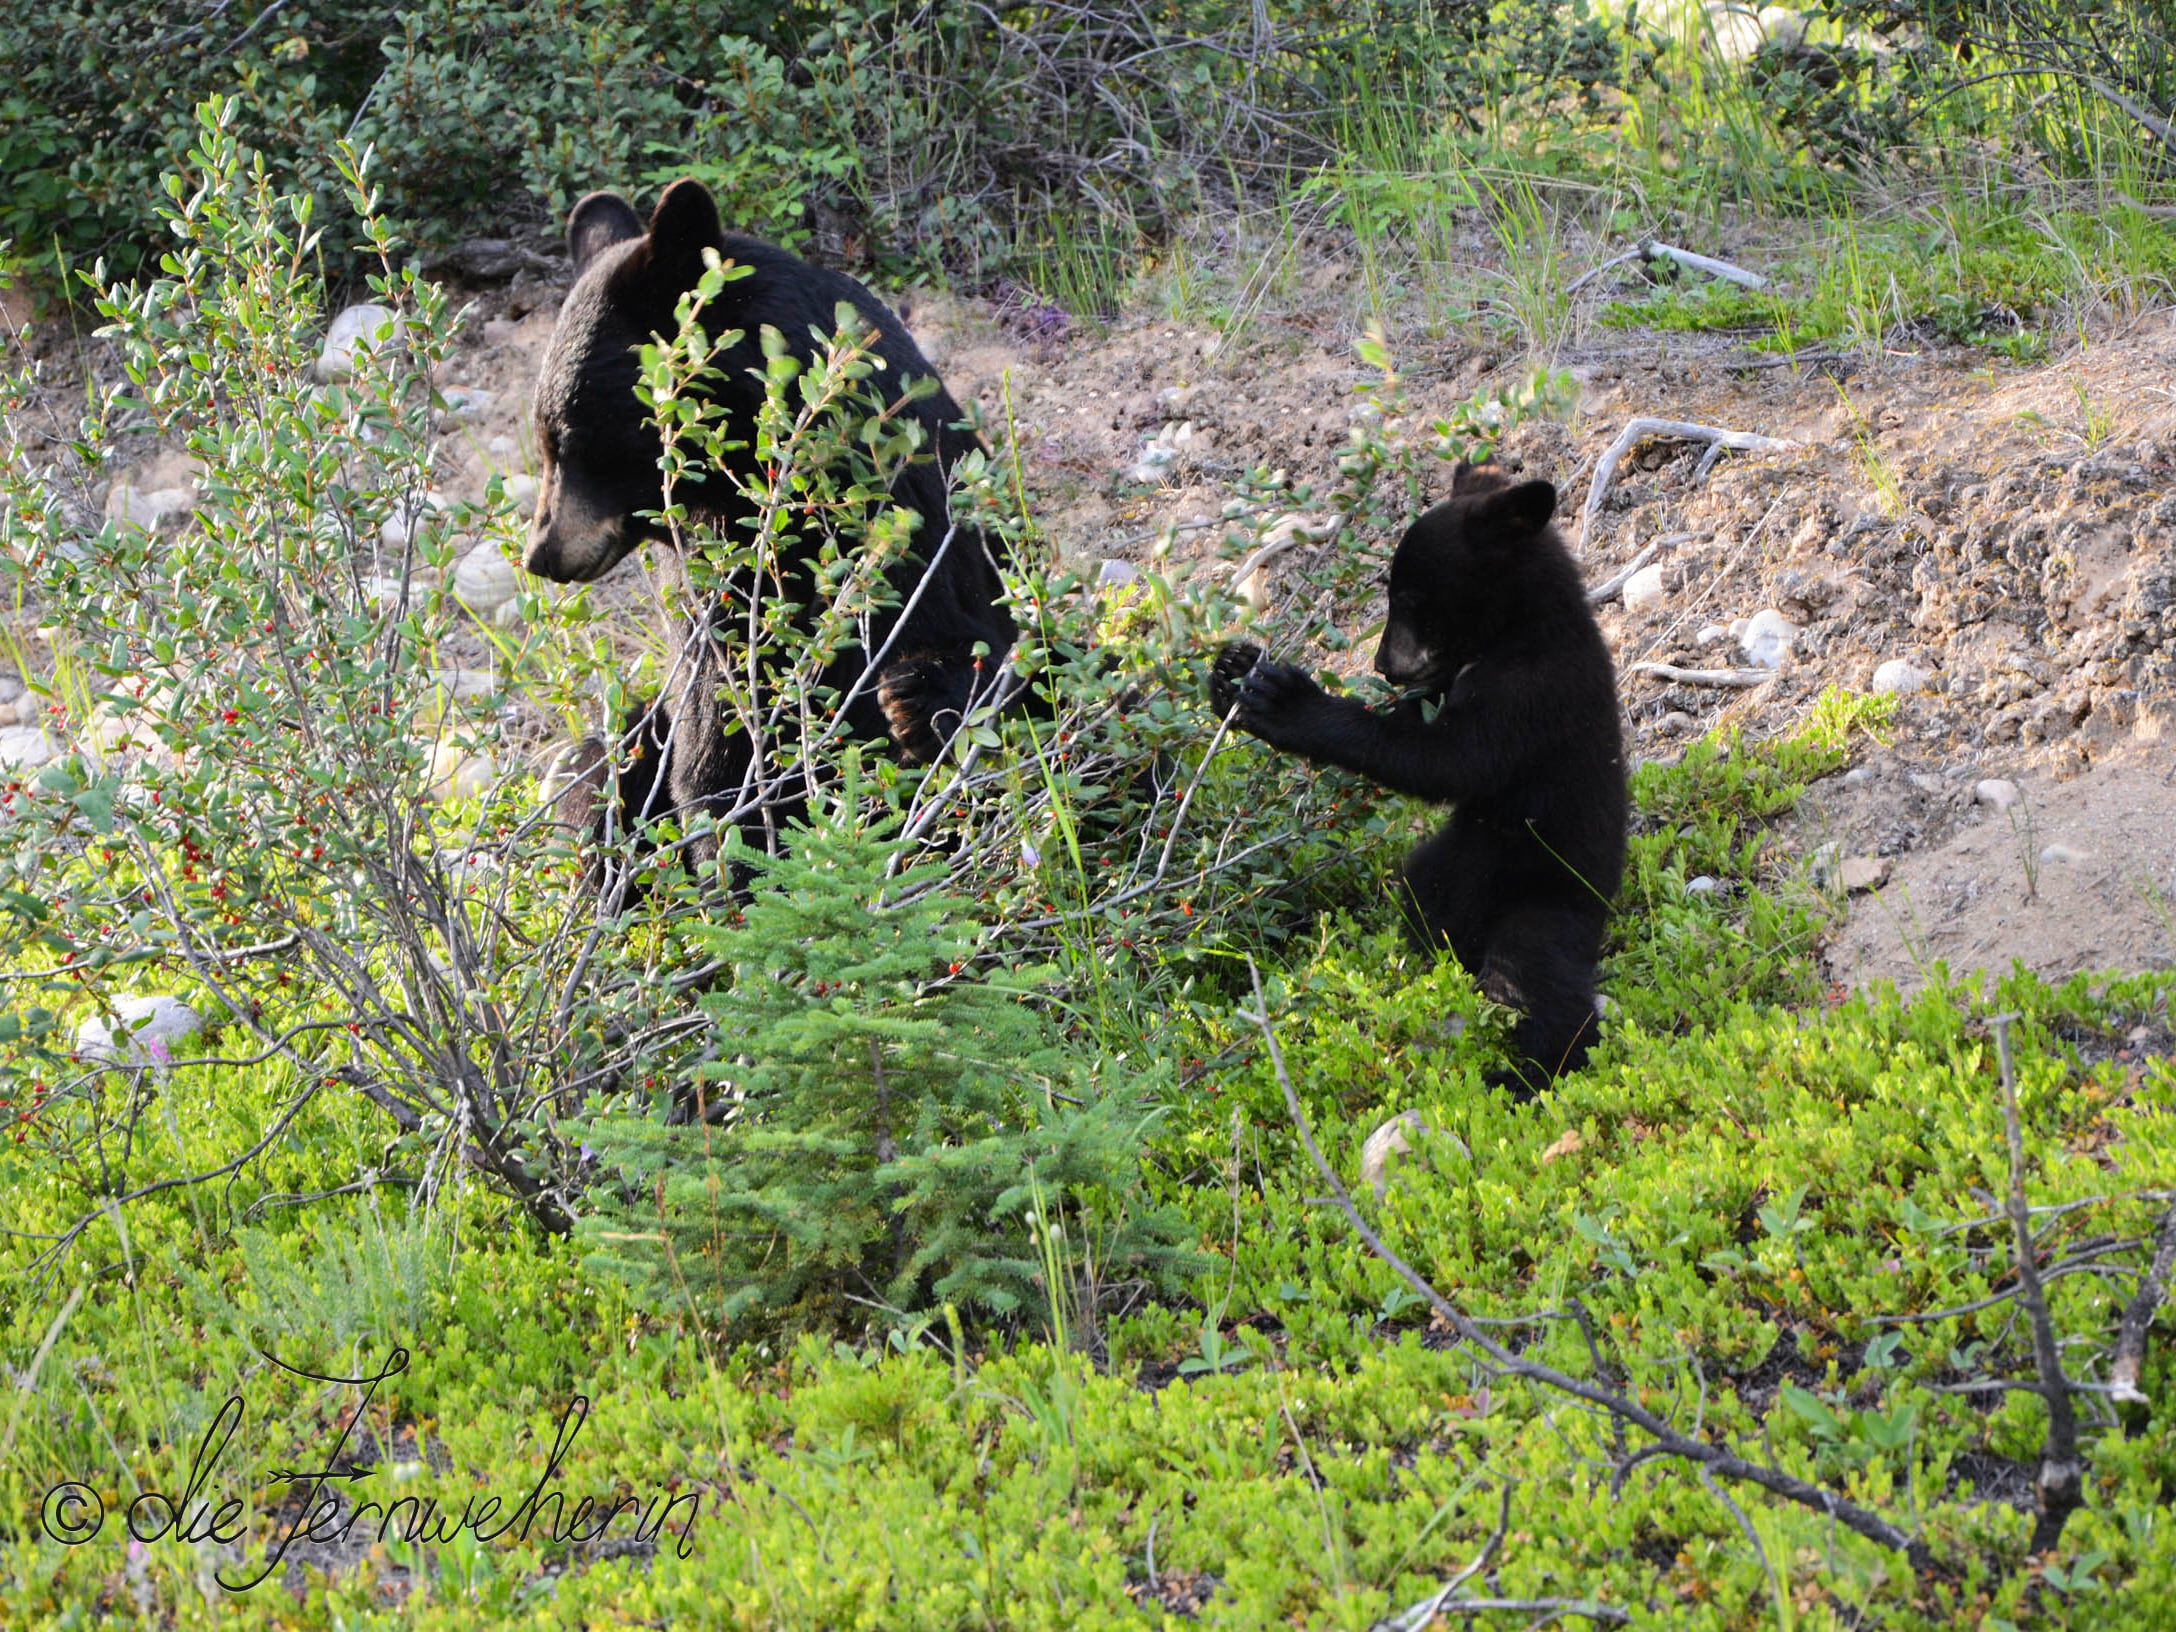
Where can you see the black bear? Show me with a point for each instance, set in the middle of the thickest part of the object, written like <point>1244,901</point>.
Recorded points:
<point>599,474</point>
<point>1510,717</point>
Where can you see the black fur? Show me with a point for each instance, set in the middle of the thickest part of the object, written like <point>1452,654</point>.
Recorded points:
<point>1510,717</point>
<point>600,472</point>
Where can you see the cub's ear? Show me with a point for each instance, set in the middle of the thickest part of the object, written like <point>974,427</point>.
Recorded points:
<point>683,225</point>
<point>596,224</point>
<point>1467,477</point>
<point>1525,508</point>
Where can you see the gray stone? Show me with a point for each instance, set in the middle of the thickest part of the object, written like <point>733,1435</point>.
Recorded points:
<point>2064,854</point>
<point>1997,793</point>
<point>1901,677</point>
<point>358,330</point>
<point>150,1030</point>
<point>1114,572</point>
<point>1858,874</point>
<point>25,747</point>
<point>484,581</point>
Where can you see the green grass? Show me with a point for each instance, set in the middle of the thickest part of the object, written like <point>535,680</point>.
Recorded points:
<point>1747,1191</point>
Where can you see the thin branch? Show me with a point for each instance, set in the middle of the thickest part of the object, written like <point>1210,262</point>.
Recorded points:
<point>1678,430</point>
<point>1731,679</point>
<point>1724,1464</point>
<point>2138,1314</point>
<point>2059,1487</point>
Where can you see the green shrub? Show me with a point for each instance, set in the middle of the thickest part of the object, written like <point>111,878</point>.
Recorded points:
<point>885,1127</point>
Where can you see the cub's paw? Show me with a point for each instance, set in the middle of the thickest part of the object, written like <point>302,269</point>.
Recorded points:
<point>924,699</point>
<point>1273,699</point>
<point>1229,672</point>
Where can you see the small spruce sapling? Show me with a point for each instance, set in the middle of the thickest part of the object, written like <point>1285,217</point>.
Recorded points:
<point>882,1118</point>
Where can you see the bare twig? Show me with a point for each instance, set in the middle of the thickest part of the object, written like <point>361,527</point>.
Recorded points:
<point>1669,1442</point>
<point>1653,249</point>
<point>2059,1487</point>
<point>1734,679</point>
<point>1417,1617</point>
<point>2138,1314</point>
<point>1673,429</point>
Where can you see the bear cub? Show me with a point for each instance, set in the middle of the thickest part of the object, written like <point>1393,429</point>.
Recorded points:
<point>599,473</point>
<point>1509,717</point>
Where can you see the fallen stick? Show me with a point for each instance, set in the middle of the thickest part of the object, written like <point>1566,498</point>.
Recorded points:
<point>1676,430</point>
<point>2059,1489</point>
<point>1653,249</point>
<point>1733,679</point>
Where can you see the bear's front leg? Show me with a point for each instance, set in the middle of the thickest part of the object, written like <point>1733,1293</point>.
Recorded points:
<point>924,700</point>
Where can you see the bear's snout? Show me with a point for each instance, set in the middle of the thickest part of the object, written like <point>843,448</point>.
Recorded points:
<point>569,542</point>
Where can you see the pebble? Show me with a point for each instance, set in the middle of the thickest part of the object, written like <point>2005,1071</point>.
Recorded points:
<point>1393,1139</point>
<point>25,747</point>
<point>484,581</point>
<point>2065,854</point>
<point>1703,885</point>
<point>521,488</point>
<point>1676,723</point>
<point>356,329</point>
<point>151,1028</point>
<point>1901,677</point>
<point>1768,639</point>
<point>1115,572</point>
<point>467,401</point>
<point>1858,874</point>
<point>1714,634</point>
<point>457,773</point>
<point>1644,591</point>
<point>148,508</point>
<point>502,448</point>
<point>1997,793</point>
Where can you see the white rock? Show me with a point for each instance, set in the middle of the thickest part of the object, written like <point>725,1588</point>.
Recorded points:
<point>357,330</point>
<point>521,488</point>
<point>1862,873</point>
<point>1703,885</point>
<point>1997,792</point>
<point>1175,399</point>
<point>1768,639</point>
<point>1643,591</point>
<point>502,448</point>
<point>484,580</point>
<point>457,773</point>
<point>1393,1139</point>
<point>1114,573</point>
<point>25,747</point>
<point>150,1030</point>
<point>2065,854</point>
<point>1161,453</point>
<point>148,508</point>
<point>1711,635</point>
<point>1900,676</point>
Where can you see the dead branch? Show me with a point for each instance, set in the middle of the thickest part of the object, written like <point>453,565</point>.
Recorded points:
<point>1653,249</point>
<point>1735,679</point>
<point>2130,1356</point>
<point>1678,430</point>
<point>1613,586</point>
<point>1668,1441</point>
<point>2059,1487</point>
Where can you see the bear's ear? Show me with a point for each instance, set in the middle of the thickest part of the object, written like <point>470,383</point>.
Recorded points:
<point>596,224</point>
<point>1525,508</point>
<point>1466,477</point>
<point>684,224</point>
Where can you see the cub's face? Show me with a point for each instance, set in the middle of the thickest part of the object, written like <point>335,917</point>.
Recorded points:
<point>599,451</point>
<point>1453,578</point>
